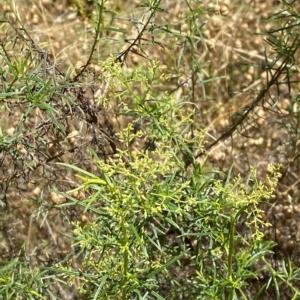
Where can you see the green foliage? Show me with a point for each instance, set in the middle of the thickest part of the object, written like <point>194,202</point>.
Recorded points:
<point>141,195</point>
<point>19,280</point>
<point>161,222</point>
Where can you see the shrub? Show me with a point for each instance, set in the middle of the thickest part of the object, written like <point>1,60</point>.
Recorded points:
<point>114,179</point>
